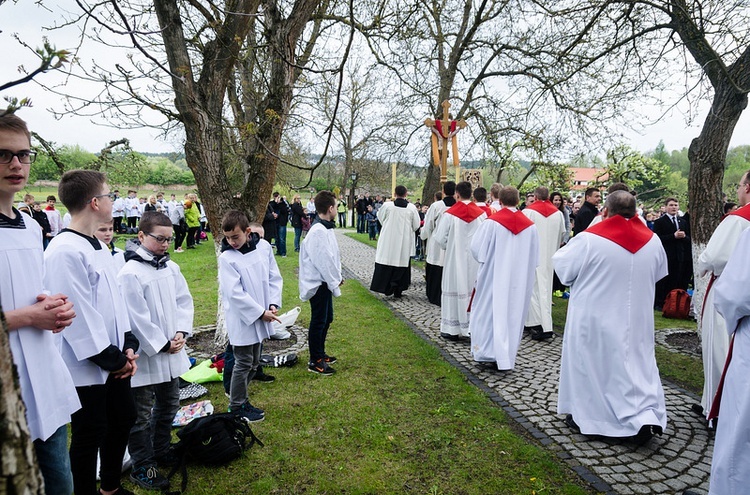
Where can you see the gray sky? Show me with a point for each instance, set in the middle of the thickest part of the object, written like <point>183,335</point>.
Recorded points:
<point>27,18</point>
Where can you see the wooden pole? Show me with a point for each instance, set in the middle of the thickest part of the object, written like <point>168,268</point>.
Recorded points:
<point>393,180</point>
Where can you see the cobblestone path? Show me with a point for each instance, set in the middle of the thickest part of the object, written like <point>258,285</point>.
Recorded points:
<point>668,464</point>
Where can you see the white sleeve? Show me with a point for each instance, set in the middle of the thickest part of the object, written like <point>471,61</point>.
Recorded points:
<point>276,283</point>
<point>443,231</point>
<point>150,336</point>
<point>185,308</point>
<point>569,259</point>
<point>731,299</point>
<point>723,241</point>
<point>234,296</point>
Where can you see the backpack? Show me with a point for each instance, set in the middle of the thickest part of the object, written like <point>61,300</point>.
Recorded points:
<point>212,440</point>
<point>677,305</point>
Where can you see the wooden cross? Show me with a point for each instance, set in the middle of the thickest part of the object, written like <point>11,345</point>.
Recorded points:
<point>444,132</point>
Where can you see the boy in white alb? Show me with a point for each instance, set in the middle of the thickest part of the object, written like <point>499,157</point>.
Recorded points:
<point>161,316</point>
<point>250,285</point>
<point>320,279</point>
<point>98,348</point>
<point>34,317</point>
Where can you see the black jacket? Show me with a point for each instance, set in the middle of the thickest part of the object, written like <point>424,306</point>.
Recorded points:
<point>584,217</point>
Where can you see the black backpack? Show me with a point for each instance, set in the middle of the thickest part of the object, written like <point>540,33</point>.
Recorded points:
<point>212,440</point>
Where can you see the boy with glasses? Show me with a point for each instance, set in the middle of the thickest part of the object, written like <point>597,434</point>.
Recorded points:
<point>161,315</point>
<point>99,347</point>
<point>34,317</point>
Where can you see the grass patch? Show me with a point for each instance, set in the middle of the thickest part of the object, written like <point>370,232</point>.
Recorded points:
<point>396,418</point>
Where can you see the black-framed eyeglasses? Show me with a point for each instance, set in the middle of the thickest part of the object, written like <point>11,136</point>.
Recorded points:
<point>25,157</point>
<point>111,196</point>
<point>161,239</point>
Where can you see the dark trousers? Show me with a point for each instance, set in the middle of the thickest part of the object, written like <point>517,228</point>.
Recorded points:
<point>342,219</point>
<point>361,223</point>
<point>102,424</point>
<point>321,316</point>
<point>179,235</point>
<point>132,222</point>
<point>281,240</point>
<point>117,224</point>
<point>191,236</point>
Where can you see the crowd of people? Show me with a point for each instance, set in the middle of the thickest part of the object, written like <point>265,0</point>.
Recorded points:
<point>102,335</point>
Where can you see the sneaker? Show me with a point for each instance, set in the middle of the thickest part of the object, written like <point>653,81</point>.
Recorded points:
<point>329,359</point>
<point>263,377</point>
<point>321,367</point>
<point>250,413</point>
<point>179,250</point>
<point>148,478</point>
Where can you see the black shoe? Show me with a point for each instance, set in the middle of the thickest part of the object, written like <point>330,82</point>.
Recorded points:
<point>537,333</point>
<point>149,478</point>
<point>546,336</point>
<point>698,409</point>
<point>572,424</point>
<point>645,434</point>
<point>263,377</point>
<point>329,359</point>
<point>447,336</point>
<point>251,413</point>
<point>321,367</point>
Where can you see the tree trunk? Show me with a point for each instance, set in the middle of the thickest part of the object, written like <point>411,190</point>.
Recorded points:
<point>431,183</point>
<point>19,473</point>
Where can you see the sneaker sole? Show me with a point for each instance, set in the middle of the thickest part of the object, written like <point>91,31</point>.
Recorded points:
<point>320,372</point>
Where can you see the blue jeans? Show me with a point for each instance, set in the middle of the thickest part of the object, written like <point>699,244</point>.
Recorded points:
<point>54,462</point>
<point>297,236</point>
<point>321,317</point>
<point>361,223</point>
<point>372,229</point>
<point>155,407</point>
<point>281,240</point>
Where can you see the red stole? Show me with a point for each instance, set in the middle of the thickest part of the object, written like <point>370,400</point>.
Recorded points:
<point>544,208</point>
<point>468,212</point>
<point>743,212</point>
<point>515,221</point>
<point>486,209</point>
<point>628,234</point>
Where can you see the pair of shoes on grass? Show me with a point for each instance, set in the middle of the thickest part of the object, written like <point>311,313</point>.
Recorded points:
<point>322,366</point>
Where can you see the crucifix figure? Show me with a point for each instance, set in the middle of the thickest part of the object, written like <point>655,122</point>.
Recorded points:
<point>444,133</point>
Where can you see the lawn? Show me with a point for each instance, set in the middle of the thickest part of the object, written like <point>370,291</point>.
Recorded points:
<point>396,418</point>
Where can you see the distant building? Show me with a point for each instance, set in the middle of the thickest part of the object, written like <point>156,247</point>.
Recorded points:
<point>583,178</point>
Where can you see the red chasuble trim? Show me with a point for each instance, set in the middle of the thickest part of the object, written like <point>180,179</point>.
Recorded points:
<point>743,212</point>
<point>629,234</point>
<point>486,209</point>
<point>544,208</point>
<point>515,221</point>
<point>466,212</point>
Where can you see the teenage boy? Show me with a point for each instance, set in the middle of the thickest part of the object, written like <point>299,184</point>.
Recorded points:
<point>161,315</point>
<point>98,348</point>
<point>320,279</point>
<point>250,284</point>
<point>33,317</point>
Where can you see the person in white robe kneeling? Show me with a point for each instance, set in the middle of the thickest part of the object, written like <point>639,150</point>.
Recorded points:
<point>400,219</point>
<point>507,250</point>
<point>609,381</point>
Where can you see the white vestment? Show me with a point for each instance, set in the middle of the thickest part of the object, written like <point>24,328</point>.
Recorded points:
<point>160,305</point>
<point>714,338</point>
<point>609,380</point>
<point>47,388</point>
<point>454,234</point>
<point>249,284</point>
<point>396,243</point>
<point>730,467</point>
<point>435,253</point>
<point>319,262</point>
<point>550,225</point>
<point>507,259</point>
<point>82,268</point>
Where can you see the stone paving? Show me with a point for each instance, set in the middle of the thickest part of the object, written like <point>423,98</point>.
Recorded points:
<point>668,464</point>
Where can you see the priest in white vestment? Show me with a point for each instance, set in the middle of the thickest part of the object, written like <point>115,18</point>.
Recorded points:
<point>713,330</point>
<point>609,381</point>
<point>730,467</point>
<point>433,269</point>
<point>550,225</point>
<point>506,247</point>
<point>454,233</point>
<point>399,220</point>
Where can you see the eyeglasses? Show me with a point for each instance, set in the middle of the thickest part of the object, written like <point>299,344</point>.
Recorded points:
<point>111,196</point>
<point>25,157</point>
<point>161,239</point>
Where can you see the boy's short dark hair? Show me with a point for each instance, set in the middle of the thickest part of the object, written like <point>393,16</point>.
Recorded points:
<point>52,198</point>
<point>480,194</point>
<point>449,188</point>
<point>509,196</point>
<point>10,122</point>
<point>463,189</point>
<point>324,200</point>
<point>78,187</point>
<point>400,191</point>
<point>151,219</point>
<point>233,219</point>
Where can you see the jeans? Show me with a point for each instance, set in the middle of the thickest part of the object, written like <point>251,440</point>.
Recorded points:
<point>321,317</point>
<point>361,223</point>
<point>297,236</point>
<point>342,219</point>
<point>54,462</point>
<point>372,229</point>
<point>226,376</point>
<point>246,362</point>
<point>281,240</point>
<point>102,424</point>
<point>151,435</point>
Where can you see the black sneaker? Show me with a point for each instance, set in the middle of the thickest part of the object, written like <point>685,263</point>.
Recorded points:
<point>149,478</point>
<point>329,359</point>
<point>263,377</point>
<point>320,367</point>
<point>250,413</point>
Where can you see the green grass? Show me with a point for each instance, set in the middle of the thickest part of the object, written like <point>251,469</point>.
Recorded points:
<point>396,418</point>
